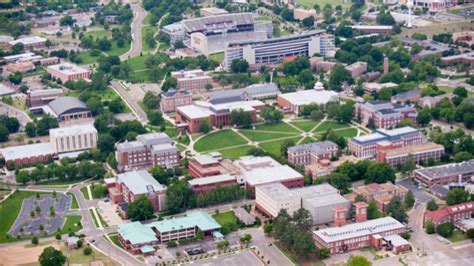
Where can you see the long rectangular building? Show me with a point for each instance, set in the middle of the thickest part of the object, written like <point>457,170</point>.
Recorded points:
<point>312,153</point>
<point>394,157</point>
<point>273,51</point>
<point>73,139</point>
<point>446,174</point>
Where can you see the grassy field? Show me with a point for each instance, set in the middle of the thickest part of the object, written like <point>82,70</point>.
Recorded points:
<point>87,58</point>
<point>236,153</point>
<point>106,95</point>
<point>99,34</point>
<point>74,204</point>
<point>322,3</point>
<point>457,236</point>
<point>72,224</point>
<point>219,57</point>
<point>225,218</point>
<point>218,140</point>
<point>9,210</point>
<point>85,193</point>
<point>438,28</point>
<point>261,136</point>
<point>273,147</point>
<point>115,240</point>
<point>330,125</point>
<point>118,50</point>
<point>138,62</point>
<point>278,127</point>
<point>305,125</point>
<point>77,257</point>
<point>146,30</point>
<point>94,218</point>
<point>347,133</point>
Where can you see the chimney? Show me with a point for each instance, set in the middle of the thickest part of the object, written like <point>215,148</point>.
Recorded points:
<point>361,211</point>
<point>385,65</point>
<point>339,215</point>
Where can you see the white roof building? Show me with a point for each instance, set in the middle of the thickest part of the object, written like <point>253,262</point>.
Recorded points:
<point>27,41</point>
<point>27,151</point>
<point>139,182</point>
<point>294,101</point>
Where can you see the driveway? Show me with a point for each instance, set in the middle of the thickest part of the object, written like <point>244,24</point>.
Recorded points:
<point>420,194</point>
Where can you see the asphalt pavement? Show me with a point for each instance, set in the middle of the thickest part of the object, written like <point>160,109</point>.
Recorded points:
<point>420,195</point>
<point>136,109</point>
<point>138,16</point>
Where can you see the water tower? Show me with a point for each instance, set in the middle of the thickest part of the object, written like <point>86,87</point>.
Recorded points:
<point>410,6</point>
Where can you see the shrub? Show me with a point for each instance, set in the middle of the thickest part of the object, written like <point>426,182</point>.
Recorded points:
<point>34,240</point>
<point>87,251</point>
<point>445,230</point>
<point>171,244</point>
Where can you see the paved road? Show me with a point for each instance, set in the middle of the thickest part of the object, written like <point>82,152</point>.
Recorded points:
<point>136,109</point>
<point>420,195</point>
<point>138,15</point>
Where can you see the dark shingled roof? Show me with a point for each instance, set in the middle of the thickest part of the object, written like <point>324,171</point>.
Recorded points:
<point>67,104</point>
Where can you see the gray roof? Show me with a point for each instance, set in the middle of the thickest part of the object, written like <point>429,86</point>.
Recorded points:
<point>140,182</point>
<point>217,22</point>
<point>449,169</point>
<point>172,93</point>
<point>283,39</point>
<point>442,191</point>
<point>67,104</point>
<point>236,95</point>
<point>165,147</point>
<point>386,134</point>
<point>244,216</point>
<point>27,151</point>
<point>406,94</point>
<point>317,148</point>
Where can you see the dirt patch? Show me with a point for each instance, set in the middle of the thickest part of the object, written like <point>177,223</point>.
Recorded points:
<point>15,255</point>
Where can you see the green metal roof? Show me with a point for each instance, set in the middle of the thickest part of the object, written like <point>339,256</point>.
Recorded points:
<point>217,234</point>
<point>136,233</point>
<point>146,249</point>
<point>200,219</point>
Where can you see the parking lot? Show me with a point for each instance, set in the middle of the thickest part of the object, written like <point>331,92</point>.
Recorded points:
<point>108,212</point>
<point>246,258</point>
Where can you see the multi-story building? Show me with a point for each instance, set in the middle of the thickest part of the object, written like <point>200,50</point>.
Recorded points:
<point>209,164</point>
<point>274,51</point>
<point>22,67</point>
<point>206,184</point>
<point>73,139</point>
<point>142,238</point>
<point>434,5</point>
<point>394,157</point>
<point>411,96</point>
<point>380,193</point>
<point>28,154</point>
<point>312,153</point>
<point>149,149</point>
<point>294,101</point>
<point>450,214</point>
<point>49,61</point>
<point>366,146</point>
<point>190,117</point>
<point>466,58</point>
<point>319,200</point>
<point>249,93</point>
<point>67,71</point>
<point>212,11</point>
<point>357,69</point>
<point>66,108</point>
<point>319,64</point>
<point>385,30</point>
<point>384,114</point>
<point>133,185</point>
<point>372,233</point>
<point>31,42</point>
<point>191,80</point>
<point>433,101</point>
<point>42,97</point>
<point>446,174</point>
<point>175,98</point>
<point>175,32</point>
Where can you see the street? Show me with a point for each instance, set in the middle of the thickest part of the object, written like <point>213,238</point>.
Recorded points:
<point>420,195</point>
<point>138,16</point>
<point>128,99</point>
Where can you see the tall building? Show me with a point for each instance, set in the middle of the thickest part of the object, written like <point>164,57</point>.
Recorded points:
<point>366,146</point>
<point>172,99</point>
<point>67,71</point>
<point>42,97</point>
<point>191,80</point>
<point>384,114</point>
<point>274,51</point>
<point>149,149</point>
<point>312,153</point>
<point>73,139</point>
<point>446,174</point>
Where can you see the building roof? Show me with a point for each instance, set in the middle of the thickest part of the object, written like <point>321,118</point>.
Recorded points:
<point>265,175</point>
<point>217,22</point>
<point>370,227</point>
<point>440,190</point>
<point>172,92</point>
<point>317,148</point>
<point>466,223</point>
<point>307,34</point>
<point>136,233</point>
<point>28,40</point>
<point>371,27</point>
<point>194,111</point>
<point>439,215</point>
<point>244,216</point>
<point>407,94</point>
<point>38,93</point>
<point>310,96</point>
<point>140,182</point>
<point>385,134</point>
<point>72,130</point>
<point>317,195</point>
<point>26,151</point>
<point>146,249</point>
<point>237,94</point>
<point>447,170</point>
<point>202,220</point>
<point>165,147</point>
<point>68,68</point>
<point>63,105</point>
<point>415,149</point>
<point>206,158</point>
<point>396,240</point>
<point>211,180</point>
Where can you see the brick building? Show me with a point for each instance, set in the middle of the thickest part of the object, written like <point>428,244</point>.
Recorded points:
<point>149,149</point>
<point>318,64</point>
<point>450,214</point>
<point>385,30</point>
<point>66,108</point>
<point>42,97</point>
<point>446,174</point>
<point>394,157</point>
<point>380,193</point>
<point>366,146</point>
<point>466,58</point>
<point>67,71</point>
<point>172,99</point>
<point>312,153</point>
<point>50,61</point>
<point>31,42</point>
<point>191,80</point>
<point>21,67</point>
<point>206,184</point>
<point>384,114</point>
<point>133,185</point>
<point>357,69</point>
<point>28,154</point>
<point>411,96</point>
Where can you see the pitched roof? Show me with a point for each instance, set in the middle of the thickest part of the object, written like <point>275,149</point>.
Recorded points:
<point>440,215</point>
<point>64,104</point>
<point>136,233</point>
<point>202,220</point>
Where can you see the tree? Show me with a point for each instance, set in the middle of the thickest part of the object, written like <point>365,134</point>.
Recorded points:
<point>58,236</point>
<point>239,66</point>
<point>397,210</point>
<point>179,196</point>
<point>430,228</point>
<point>140,209</point>
<point>155,118</point>
<point>324,253</point>
<point>284,147</point>
<point>204,126</point>
<point>170,83</point>
<point>340,181</point>
<point>461,92</point>
<point>34,240</point>
<point>409,200</point>
<point>457,196</point>
<point>4,133</point>
<point>116,106</point>
<point>380,173</point>
<point>462,156</point>
<point>408,165</point>
<point>358,261</point>
<point>372,211</point>
<point>268,228</point>
<point>385,18</point>
<point>470,233</point>
<point>87,251</point>
<point>240,117</point>
<point>339,74</point>
<point>308,22</point>
<point>66,21</point>
<point>445,230</point>
<point>271,115</point>
<point>15,78</point>
<point>432,205</point>
<point>52,257</point>
<point>424,116</point>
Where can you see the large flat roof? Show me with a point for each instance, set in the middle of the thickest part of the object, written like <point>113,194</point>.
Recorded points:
<point>309,96</point>
<point>73,130</point>
<point>211,180</point>
<point>416,149</point>
<point>136,233</point>
<point>448,169</point>
<point>25,151</point>
<point>202,220</point>
<point>68,68</point>
<point>28,40</point>
<point>266,175</point>
<point>371,227</point>
<point>194,111</point>
<point>138,182</point>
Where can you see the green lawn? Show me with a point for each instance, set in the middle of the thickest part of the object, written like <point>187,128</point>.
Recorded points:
<point>236,153</point>
<point>330,125</point>
<point>261,136</point>
<point>115,240</point>
<point>307,140</point>
<point>141,76</point>
<point>72,224</point>
<point>9,210</point>
<point>145,31</point>
<point>273,147</point>
<point>85,193</point>
<point>227,220</point>
<point>278,127</point>
<point>118,50</point>
<point>219,57</point>
<point>87,58</point>
<point>138,62</point>
<point>74,204</point>
<point>94,218</point>
<point>322,3</point>
<point>106,95</point>
<point>305,125</point>
<point>347,133</point>
<point>218,140</point>
<point>457,236</point>
<point>99,34</point>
